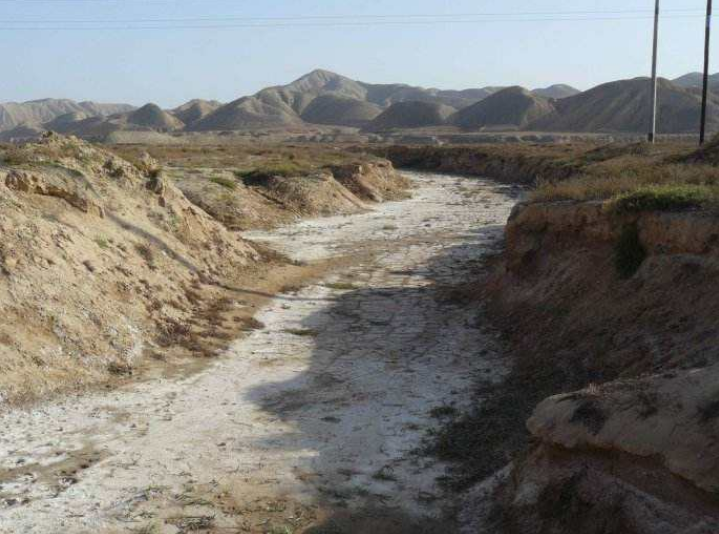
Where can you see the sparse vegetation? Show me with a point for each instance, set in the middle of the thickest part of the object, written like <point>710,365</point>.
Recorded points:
<point>665,198</point>
<point>385,474</point>
<point>43,153</point>
<point>340,286</point>
<point>150,528</point>
<point>102,242</point>
<point>145,252</point>
<point>16,156</point>
<point>666,176</point>
<point>227,183</point>
<point>289,168</point>
<point>637,178</point>
<point>246,159</point>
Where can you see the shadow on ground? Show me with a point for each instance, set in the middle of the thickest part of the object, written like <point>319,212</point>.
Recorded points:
<point>387,364</point>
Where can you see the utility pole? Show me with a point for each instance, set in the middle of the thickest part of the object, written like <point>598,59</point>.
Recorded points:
<point>653,132</point>
<point>705,89</point>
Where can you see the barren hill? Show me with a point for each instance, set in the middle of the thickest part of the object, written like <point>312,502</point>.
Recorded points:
<point>513,107</point>
<point>247,113</point>
<point>623,106</point>
<point>36,112</point>
<point>340,110</point>
<point>696,80</point>
<point>288,105</point>
<point>411,114</point>
<point>194,110</point>
<point>322,97</point>
<point>320,82</point>
<point>153,117</point>
<point>557,91</point>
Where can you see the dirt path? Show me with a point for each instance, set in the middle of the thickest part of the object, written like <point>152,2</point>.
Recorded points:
<point>321,410</point>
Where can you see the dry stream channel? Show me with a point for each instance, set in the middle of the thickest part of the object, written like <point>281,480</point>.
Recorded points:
<point>324,408</point>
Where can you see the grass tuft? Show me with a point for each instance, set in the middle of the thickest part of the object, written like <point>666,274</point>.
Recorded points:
<point>102,242</point>
<point>227,183</point>
<point>340,286</point>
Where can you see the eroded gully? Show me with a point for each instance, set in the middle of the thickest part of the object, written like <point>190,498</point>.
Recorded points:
<point>324,408</point>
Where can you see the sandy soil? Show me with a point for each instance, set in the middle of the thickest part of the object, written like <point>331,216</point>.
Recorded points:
<point>325,408</point>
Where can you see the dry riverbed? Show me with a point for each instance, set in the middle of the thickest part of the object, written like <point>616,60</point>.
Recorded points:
<point>315,419</point>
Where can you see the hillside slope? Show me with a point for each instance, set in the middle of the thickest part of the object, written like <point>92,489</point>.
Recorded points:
<point>411,114</point>
<point>514,107</point>
<point>151,116</point>
<point>194,110</point>
<point>696,80</point>
<point>556,91</point>
<point>351,101</point>
<point>624,106</point>
<point>36,112</point>
<point>340,110</point>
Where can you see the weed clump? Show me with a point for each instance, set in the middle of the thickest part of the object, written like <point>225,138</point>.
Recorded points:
<point>282,169</point>
<point>664,198</point>
<point>227,183</point>
<point>146,253</point>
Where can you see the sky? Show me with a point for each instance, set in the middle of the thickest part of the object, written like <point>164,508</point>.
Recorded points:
<point>431,43</point>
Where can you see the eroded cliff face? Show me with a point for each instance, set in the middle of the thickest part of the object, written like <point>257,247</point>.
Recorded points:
<point>635,447</point>
<point>506,164</point>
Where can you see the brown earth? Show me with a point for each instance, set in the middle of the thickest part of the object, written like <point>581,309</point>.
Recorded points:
<point>262,199</point>
<point>634,449</point>
<point>108,266</point>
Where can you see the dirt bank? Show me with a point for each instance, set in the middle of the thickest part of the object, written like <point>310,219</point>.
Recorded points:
<point>107,268</point>
<point>578,170</point>
<point>622,309</point>
<point>266,199</point>
<point>521,164</point>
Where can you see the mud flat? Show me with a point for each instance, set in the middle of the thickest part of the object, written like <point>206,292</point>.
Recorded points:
<point>322,409</point>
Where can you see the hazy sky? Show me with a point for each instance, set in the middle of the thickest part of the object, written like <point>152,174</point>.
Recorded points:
<point>171,65</point>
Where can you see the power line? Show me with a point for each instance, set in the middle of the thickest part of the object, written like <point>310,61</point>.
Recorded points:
<point>147,25</point>
<point>438,16</point>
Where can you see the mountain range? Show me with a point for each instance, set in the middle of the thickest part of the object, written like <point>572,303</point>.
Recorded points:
<point>325,98</point>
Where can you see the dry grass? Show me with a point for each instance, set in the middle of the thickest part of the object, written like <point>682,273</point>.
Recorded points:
<point>275,159</point>
<point>227,183</point>
<point>15,155</point>
<point>603,183</point>
<point>663,177</point>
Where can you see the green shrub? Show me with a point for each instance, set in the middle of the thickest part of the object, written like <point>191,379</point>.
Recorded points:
<point>283,169</point>
<point>663,198</point>
<point>629,253</point>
